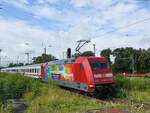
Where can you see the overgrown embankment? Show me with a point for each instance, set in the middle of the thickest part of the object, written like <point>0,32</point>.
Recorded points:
<point>41,97</point>
<point>134,88</point>
<point>13,86</point>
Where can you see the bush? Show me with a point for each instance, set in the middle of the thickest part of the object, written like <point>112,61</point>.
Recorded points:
<point>15,85</point>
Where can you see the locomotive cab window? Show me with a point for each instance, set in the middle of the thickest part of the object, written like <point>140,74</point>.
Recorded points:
<point>99,65</point>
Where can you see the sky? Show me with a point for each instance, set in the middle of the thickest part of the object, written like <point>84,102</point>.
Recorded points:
<point>32,25</point>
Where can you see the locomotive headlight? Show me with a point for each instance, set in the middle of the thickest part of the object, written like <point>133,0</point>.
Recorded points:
<point>109,75</point>
<point>97,75</point>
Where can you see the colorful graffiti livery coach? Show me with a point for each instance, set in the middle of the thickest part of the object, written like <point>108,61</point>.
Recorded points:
<point>88,74</point>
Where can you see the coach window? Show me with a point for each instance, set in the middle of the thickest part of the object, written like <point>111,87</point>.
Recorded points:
<point>37,70</point>
<point>32,71</point>
<point>81,67</point>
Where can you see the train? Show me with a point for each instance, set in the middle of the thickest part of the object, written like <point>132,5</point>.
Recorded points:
<point>92,75</point>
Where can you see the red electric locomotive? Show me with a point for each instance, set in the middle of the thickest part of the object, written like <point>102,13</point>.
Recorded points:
<point>89,74</point>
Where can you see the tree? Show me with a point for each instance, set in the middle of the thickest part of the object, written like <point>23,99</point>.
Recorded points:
<point>44,58</point>
<point>124,61</point>
<point>129,60</point>
<point>76,55</point>
<point>106,53</point>
<point>143,61</point>
<point>15,65</point>
<point>85,53</point>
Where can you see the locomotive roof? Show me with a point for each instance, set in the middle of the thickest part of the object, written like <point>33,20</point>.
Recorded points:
<point>63,61</point>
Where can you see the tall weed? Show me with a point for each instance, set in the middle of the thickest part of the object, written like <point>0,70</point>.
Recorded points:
<point>126,85</point>
<point>130,83</point>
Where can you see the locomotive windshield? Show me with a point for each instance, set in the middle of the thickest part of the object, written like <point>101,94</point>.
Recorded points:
<point>99,65</point>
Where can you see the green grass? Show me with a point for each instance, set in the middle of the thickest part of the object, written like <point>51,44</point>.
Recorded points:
<point>56,100</point>
<point>134,88</point>
<point>141,96</point>
<point>130,83</point>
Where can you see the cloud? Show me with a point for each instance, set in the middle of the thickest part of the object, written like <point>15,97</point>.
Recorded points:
<point>46,1</point>
<point>97,4</point>
<point>15,34</point>
<point>80,3</point>
<point>45,12</point>
<point>24,1</point>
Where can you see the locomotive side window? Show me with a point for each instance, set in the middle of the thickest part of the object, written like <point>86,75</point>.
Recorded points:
<point>99,65</point>
<point>81,67</point>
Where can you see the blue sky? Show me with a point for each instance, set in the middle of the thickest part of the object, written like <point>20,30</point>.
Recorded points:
<point>61,23</point>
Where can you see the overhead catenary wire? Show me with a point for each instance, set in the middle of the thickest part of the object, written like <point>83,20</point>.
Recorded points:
<point>124,27</point>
